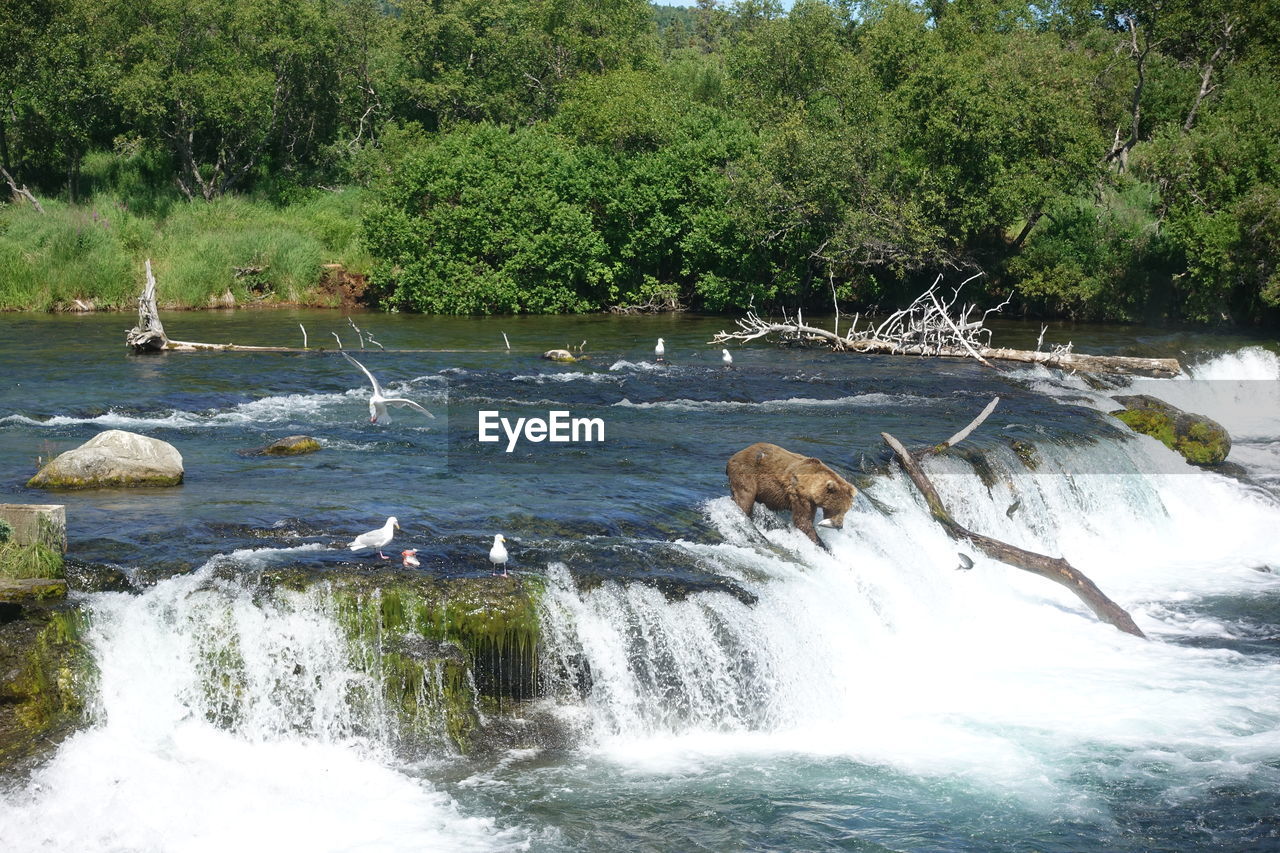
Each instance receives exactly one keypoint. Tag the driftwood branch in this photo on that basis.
(20, 192)
(940, 327)
(973, 424)
(1055, 569)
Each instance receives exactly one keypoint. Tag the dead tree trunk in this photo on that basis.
(20, 192)
(1054, 568)
(148, 335)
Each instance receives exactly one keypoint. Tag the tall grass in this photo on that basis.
(256, 250)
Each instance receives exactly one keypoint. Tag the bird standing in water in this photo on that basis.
(376, 539)
(498, 554)
(726, 358)
(659, 351)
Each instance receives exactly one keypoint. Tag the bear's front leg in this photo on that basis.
(802, 519)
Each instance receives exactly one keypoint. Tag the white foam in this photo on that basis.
(856, 401)
(544, 378)
(295, 409)
(228, 723)
(639, 366)
(883, 652)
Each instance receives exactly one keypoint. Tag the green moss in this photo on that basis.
(1199, 441)
(294, 445)
(48, 690)
(1204, 445)
(6, 530)
(55, 482)
(29, 561)
(445, 649)
(1150, 423)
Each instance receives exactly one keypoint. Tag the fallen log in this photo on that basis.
(1055, 569)
(927, 327)
(1162, 368)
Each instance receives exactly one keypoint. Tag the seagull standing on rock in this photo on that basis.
(498, 554)
(659, 350)
(378, 401)
(376, 539)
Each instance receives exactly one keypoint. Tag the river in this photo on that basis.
(870, 698)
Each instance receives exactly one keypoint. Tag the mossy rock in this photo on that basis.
(113, 459)
(1200, 440)
(293, 445)
(46, 672)
(27, 590)
(562, 355)
(1026, 452)
(452, 655)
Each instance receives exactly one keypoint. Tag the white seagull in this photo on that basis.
(659, 350)
(376, 539)
(378, 401)
(498, 554)
(726, 358)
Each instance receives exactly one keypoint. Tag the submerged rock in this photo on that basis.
(293, 445)
(111, 459)
(27, 590)
(45, 675)
(1200, 440)
(456, 658)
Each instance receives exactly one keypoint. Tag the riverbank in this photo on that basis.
(233, 252)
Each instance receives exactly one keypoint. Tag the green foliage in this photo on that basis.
(1220, 185)
(1095, 259)
(488, 220)
(1113, 160)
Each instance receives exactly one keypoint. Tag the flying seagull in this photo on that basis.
(378, 401)
(659, 350)
(376, 539)
(498, 554)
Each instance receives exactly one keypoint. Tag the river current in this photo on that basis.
(872, 697)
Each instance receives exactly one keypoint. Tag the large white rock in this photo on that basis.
(113, 458)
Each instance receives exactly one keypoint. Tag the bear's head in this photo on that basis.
(835, 499)
(825, 488)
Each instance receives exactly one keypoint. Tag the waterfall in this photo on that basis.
(884, 651)
(229, 717)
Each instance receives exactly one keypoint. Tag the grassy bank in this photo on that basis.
(233, 251)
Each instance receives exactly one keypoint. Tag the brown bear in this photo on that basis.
(780, 479)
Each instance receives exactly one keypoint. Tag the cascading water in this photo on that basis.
(720, 692)
(227, 719)
(883, 652)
